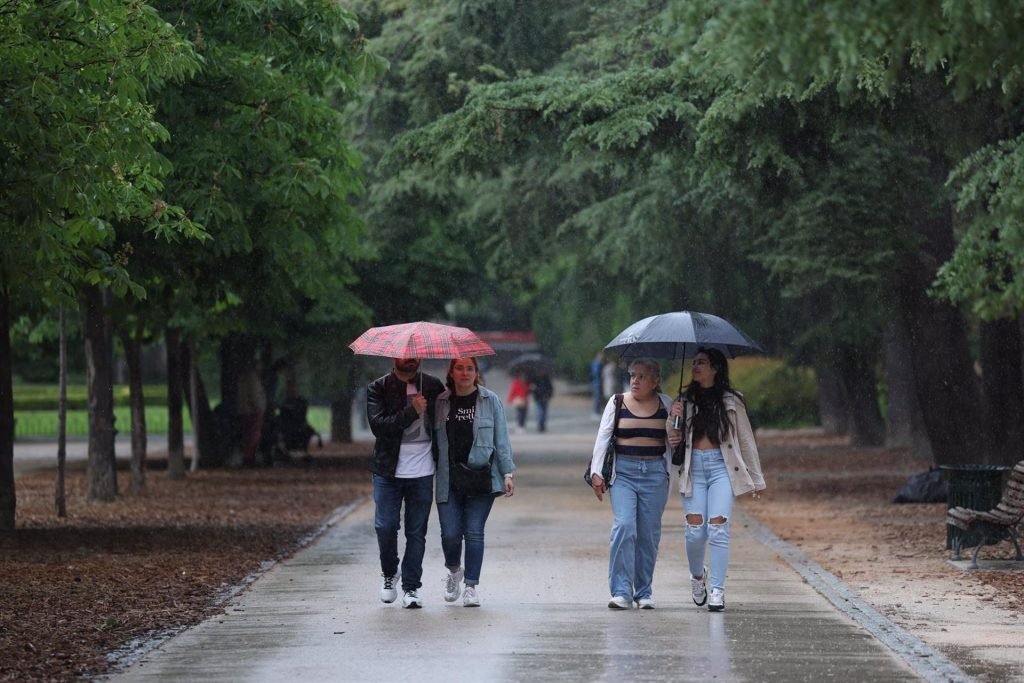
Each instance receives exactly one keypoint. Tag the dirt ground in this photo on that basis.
(74, 590)
(834, 502)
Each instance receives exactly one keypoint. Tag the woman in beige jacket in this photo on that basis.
(715, 445)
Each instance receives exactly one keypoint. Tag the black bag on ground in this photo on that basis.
(926, 487)
(609, 454)
(470, 481)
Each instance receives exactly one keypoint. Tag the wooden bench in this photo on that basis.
(998, 524)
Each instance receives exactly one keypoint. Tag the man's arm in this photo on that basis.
(381, 421)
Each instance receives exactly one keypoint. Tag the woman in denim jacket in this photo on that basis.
(470, 431)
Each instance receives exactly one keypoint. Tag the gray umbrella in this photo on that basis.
(678, 335)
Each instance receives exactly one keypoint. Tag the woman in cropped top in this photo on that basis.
(719, 459)
(639, 483)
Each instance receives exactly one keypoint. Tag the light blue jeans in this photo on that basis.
(711, 497)
(638, 501)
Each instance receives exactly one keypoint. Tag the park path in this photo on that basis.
(317, 617)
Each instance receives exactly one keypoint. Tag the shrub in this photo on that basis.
(777, 395)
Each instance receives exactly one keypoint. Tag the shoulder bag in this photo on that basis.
(609, 454)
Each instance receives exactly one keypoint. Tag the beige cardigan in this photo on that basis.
(739, 451)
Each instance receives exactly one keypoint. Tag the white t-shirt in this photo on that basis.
(415, 458)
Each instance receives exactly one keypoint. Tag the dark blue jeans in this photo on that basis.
(464, 517)
(388, 495)
(542, 416)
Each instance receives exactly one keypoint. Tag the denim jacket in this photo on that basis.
(490, 438)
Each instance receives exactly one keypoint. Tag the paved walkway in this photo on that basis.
(317, 617)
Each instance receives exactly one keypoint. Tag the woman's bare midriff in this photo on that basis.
(704, 443)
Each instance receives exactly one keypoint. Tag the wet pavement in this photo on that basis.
(317, 616)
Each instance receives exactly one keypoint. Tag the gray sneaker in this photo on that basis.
(388, 592)
(453, 585)
(699, 589)
(470, 598)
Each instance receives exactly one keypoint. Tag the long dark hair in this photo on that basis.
(713, 398)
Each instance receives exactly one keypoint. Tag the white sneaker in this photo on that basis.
(619, 602)
(717, 601)
(411, 599)
(470, 598)
(645, 603)
(699, 589)
(388, 592)
(453, 585)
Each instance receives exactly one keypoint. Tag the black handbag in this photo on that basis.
(470, 481)
(609, 455)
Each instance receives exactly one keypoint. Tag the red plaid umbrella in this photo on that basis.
(420, 340)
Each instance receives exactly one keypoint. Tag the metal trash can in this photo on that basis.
(978, 487)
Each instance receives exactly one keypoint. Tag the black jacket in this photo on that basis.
(389, 416)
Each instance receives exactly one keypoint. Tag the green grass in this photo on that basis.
(42, 424)
(45, 396)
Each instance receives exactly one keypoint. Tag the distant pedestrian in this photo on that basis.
(596, 383)
(719, 461)
(474, 465)
(519, 398)
(543, 390)
(400, 409)
(639, 483)
(611, 378)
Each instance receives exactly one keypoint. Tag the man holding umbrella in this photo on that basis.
(400, 409)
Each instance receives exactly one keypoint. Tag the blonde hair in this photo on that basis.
(651, 367)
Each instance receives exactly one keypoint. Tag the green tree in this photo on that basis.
(261, 157)
(78, 140)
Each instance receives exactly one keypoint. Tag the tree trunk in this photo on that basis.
(341, 409)
(831, 398)
(8, 499)
(60, 495)
(133, 355)
(856, 367)
(193, 402)
(905, 426)
(101, 474)
(944, 378)
(206, 427)
(233, 352)
(1002, 390)
(175, 426)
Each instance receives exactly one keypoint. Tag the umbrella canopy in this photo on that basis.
(420, 340)
(531, 364)
(679, 334)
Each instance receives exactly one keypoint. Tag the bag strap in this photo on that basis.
(618, 411)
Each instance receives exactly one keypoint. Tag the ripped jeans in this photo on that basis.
(711, 497)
